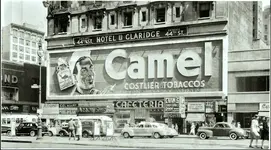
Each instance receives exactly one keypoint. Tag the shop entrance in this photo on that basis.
(179, 122)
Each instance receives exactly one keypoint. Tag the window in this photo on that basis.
(265, 37)
(4, 121)
(33, 58)
(98, 22)
(27, 43)
(178, 12)
(15, 47)
(248, 84)
(21, 41)
(128, 18)
(21, 34)
(27, 35)
(61, 25)
(83, 23)
(147, 125)
(27, 50)
(27, 57)
(14, 54)
(112, 17)
(33, 37)
(265, 27)
(8, 120)
(144, 17)
(21, 56)
(15, 40)
(204, 10)
(160, 14)
(219, 126)
(21, 49)
(17, 120)
(64, 4)
(15, 32)
(33, 44)
(34, 51)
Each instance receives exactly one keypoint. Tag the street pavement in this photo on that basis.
(182, 142)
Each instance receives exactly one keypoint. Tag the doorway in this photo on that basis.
(179, 122)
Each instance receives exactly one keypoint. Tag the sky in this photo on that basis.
(33, 12)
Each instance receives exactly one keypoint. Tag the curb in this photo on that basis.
(16, 141)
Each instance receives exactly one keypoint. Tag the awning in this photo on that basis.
(264, 113)
(195, 117)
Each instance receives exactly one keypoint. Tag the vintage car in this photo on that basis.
(30, 128)
(6, 130)
(148, 129)
(222, 129)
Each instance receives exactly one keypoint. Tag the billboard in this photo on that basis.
(188, 67)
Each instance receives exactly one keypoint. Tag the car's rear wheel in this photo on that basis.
(50, 133)
(61, 133)
(126, 135)
(233, 136)
(85, 135)
(203, 135)
(32, 133)
(156, 135)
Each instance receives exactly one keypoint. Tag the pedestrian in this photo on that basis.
(238, 125)
(264, 131)
(197, 127)
(233, 123)
(71, 127)
(177, 128)
(78, 129)
(254, 131)
(192, 129)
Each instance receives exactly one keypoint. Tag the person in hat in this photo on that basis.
(254, 131)
(71, 126)
(264, 131)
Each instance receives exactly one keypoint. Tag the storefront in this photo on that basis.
(264, 110)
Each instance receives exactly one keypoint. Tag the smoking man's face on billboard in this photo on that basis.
(86, 73)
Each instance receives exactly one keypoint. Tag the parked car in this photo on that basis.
(5, 129)
(148, 129)
(29, 128)
(222, 129)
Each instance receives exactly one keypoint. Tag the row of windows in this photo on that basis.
(24, 56)
(127, 17)
(18, 120)
(249, 84)
(26, 35)
(24, 42)
(22, 49)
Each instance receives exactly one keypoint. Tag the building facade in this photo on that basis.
(19, 100)
(20, 43)
(136, 60)
(266, 25)
(248, 85)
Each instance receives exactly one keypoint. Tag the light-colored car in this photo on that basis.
(148, 129)
(222, 129)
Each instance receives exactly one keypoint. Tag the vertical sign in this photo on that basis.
(182, 106)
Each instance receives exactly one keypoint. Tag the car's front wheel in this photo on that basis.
(32, 133)
(85, 134)
(233, 136)
(203, 135)
(171, 136)
(126, 135)
(61, 133)
(156, 135)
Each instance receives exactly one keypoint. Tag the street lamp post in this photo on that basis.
(40, 54)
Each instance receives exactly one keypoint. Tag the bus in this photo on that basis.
(18, 118)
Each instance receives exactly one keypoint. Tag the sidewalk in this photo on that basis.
(115, 142)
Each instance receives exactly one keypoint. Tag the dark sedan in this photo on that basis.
(30, 128)
(222, 129)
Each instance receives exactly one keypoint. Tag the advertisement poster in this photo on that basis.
(186, 67)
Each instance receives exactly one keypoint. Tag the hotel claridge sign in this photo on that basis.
(175, 62)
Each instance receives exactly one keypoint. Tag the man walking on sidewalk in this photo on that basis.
(71, 126)
(254, 131)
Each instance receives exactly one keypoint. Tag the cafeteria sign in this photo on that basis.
(131, 36)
